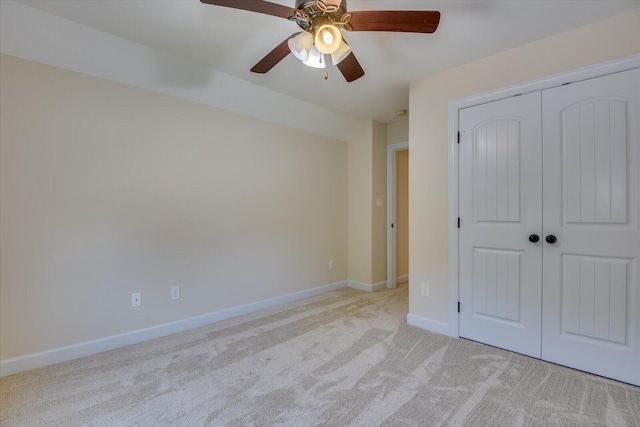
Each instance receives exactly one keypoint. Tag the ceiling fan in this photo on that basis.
(321, 22)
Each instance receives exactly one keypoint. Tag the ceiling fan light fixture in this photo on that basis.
(341, 53)
(301, 45)
(328, 38)
(316, 59)
(322, 21)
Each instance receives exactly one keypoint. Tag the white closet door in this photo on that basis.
(500, 207)
(591, 288)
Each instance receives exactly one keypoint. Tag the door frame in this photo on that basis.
(584, 73)
(392, 149)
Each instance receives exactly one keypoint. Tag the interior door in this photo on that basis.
(591, 293)
(500, 207)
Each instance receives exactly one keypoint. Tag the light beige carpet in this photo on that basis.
(346, 358)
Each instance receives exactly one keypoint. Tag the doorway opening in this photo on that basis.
(397, 214)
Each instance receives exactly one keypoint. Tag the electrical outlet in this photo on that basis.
(175, 292)
(425, 290)
(330, 264)
(136, 299)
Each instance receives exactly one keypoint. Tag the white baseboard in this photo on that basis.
(379, 286)
(367, 287)
(63, 354)
(402, 279)
(429, 325)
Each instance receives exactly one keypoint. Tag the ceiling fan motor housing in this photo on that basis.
(309, 13)
(301, 4)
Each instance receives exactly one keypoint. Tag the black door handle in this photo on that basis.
(551, 239)
(534, 238)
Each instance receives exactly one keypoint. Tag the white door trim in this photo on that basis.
(615, 66)
(391, 210)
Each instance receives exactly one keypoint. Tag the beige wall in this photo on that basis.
(108, 189)
(367, 171)
(398, 131)
(402, 213)
(605, 40)
(378, 226)
(360, 214)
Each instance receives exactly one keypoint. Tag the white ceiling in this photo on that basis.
(232, 41)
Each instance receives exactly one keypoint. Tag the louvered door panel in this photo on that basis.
(595, 162)
(497, 171)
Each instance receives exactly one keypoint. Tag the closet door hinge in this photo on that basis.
(458, 306)
(458, 222)
(458, 137)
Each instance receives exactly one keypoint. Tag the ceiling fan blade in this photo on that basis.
(405, 21)
(350, 68)
(273, 57)
(259, 6)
